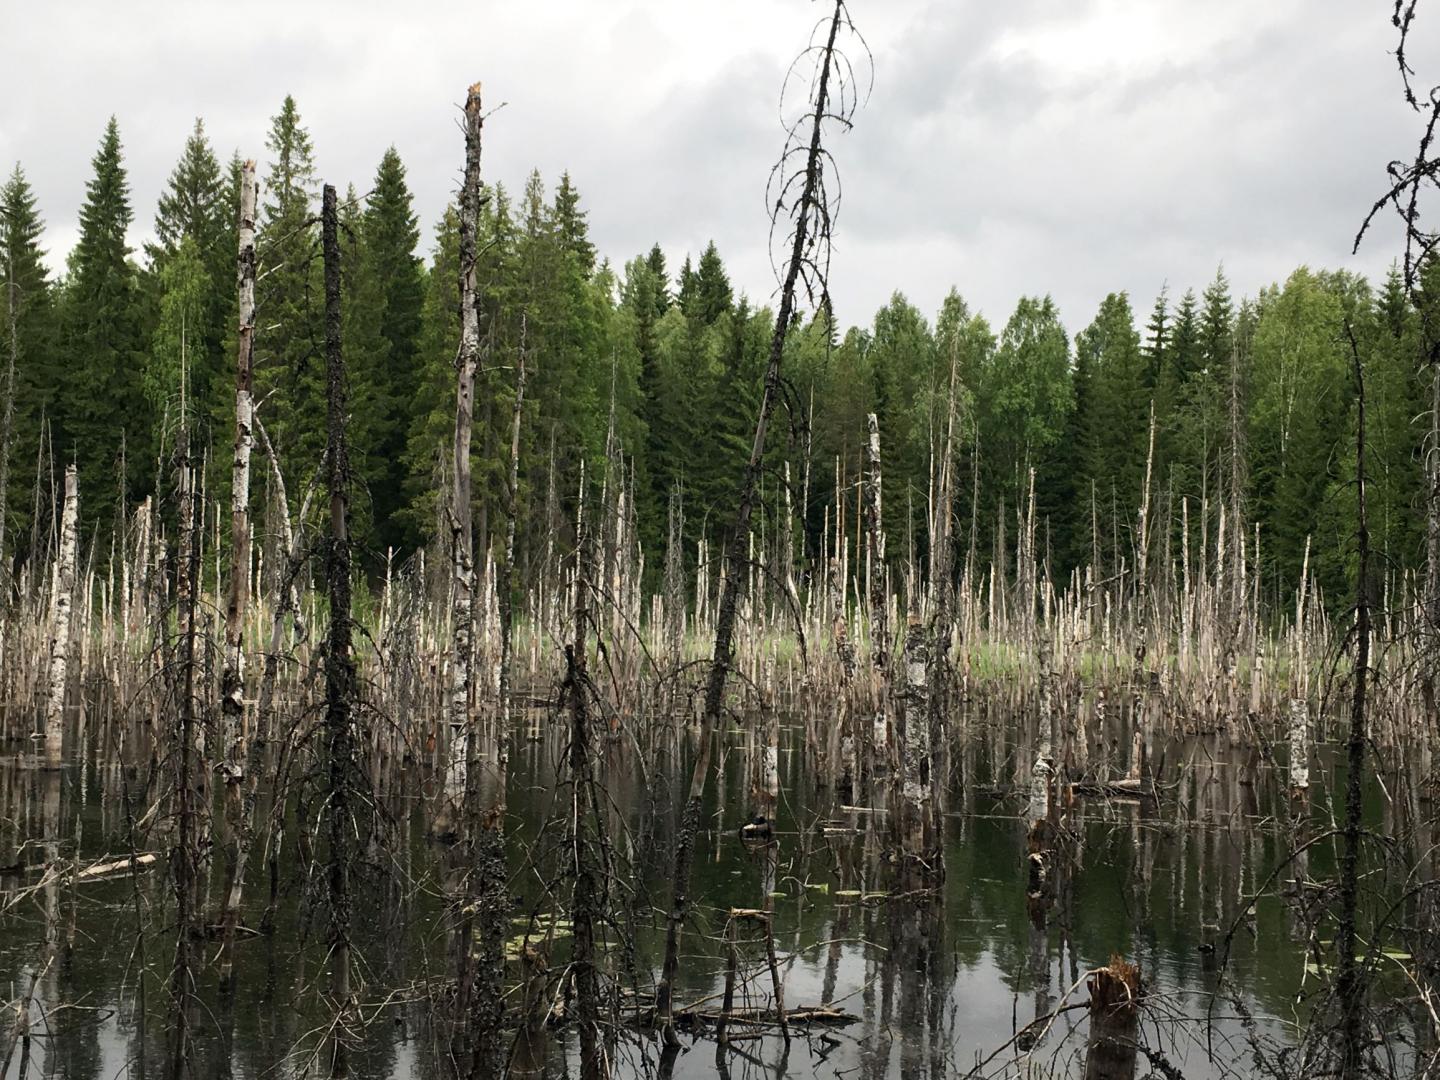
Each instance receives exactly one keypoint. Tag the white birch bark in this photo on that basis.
(60, 635)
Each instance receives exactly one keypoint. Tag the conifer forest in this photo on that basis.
(443, 649)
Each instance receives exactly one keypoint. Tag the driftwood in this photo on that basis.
(1128, 788)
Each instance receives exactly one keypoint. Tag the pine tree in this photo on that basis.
(101, 398)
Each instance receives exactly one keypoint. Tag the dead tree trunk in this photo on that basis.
(806, 209)
(462, 561)
(189, 766)
(585, 907)
(339, 664)
(1110, 1049)
(879, 598)
(1350, 981)
(916, 789)
(506, 575)
(60, 636)
(232, 678)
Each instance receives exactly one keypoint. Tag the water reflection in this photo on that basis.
(802, 920)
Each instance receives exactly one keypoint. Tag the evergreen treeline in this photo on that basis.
(1253, 400)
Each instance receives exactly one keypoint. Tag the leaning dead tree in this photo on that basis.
(811, 215)
(1411, 181)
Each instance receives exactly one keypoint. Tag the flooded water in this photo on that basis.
(936, 982)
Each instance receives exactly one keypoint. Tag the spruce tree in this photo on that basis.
(390, 279)
(711, 296)
(289, 368)
(25, 283)
(570, 227)
(433, 411)
(100, 397)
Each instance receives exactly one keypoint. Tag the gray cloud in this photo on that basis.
(1019, 148)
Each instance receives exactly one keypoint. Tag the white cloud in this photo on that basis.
(1072, 148)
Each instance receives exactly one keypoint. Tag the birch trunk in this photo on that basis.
(877, 594)
(60, 638)
(461, 535)
(232, 678)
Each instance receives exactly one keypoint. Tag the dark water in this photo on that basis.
(937, 981)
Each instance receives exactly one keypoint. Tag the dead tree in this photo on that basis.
(878, 596)
(64, 586)
(462, 563)
(1350, 980)
(506, 583)
(339, 663)
(1411, 180)
(586, 907)
(188, 756)
(232, 678)
(811, 230)
(1111, 1047)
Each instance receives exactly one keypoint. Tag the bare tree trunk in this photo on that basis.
(60, 636)
(879, 598)
(461, 527)
(232, 678)
(1110, 1049)
(916, 790)
(189, 785)
(506, 572)
(1432, 549)
(1350, 981)
(811, 198)
(586, 903)
(339, 664)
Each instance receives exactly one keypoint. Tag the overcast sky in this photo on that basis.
(1074, 147)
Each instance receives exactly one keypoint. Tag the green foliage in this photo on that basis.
(25, 283)
(289, 365)
(169, 382)
(627, 377)
(100, 396)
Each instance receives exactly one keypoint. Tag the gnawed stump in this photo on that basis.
(1110, 1050)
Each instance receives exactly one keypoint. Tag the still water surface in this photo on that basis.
(937, 982)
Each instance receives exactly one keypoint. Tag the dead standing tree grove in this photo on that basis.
(811, 215)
